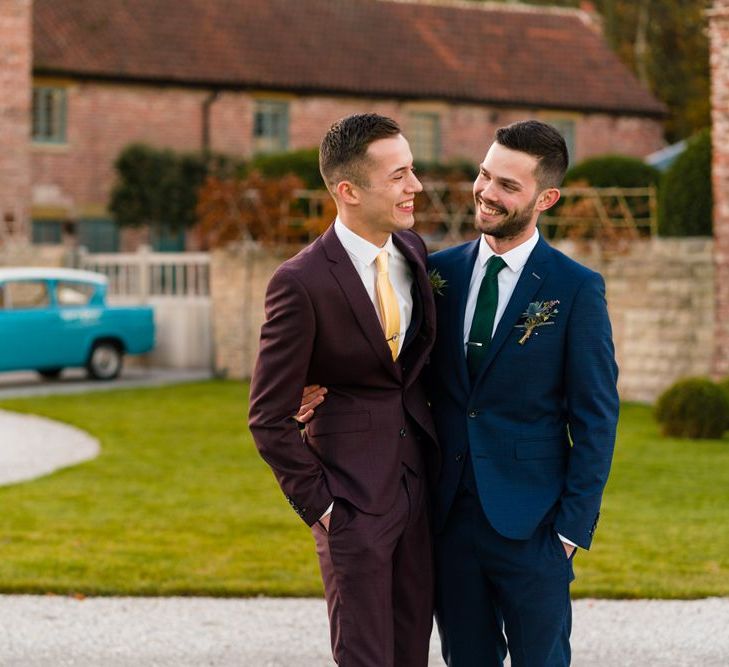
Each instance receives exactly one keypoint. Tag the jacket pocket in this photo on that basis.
(340, 422)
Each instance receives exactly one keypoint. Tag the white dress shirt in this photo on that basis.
(363, 254)
(515, 260)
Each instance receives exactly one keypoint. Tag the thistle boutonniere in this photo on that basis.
(537, 314)
(437, 282)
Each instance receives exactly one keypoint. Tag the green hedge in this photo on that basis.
(685, 199)
(607, 171)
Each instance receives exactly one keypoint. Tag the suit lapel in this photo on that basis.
(423, 313)
(359, 301)
(531, 279)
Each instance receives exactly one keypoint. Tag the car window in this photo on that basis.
(74, 294)
(23, 294)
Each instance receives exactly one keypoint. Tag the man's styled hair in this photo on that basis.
(541, 141)
(342, 153)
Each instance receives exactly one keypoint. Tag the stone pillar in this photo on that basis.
(15, 118)
(719, 58)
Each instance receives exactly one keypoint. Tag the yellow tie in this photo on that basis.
(387, 301)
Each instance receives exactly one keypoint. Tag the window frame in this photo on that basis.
(49, 120)
(415, 136)
(270, 126)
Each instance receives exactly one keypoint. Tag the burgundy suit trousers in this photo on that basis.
(378, 580)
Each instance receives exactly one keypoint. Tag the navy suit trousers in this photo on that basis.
(493, 592)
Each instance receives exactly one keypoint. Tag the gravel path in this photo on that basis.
(33, 446)
(194, 632)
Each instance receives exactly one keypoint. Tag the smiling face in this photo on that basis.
(385, 201)
(506, 195)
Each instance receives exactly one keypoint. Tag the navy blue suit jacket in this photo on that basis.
(540, 418)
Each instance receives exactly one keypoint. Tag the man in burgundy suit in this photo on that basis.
(354, 312)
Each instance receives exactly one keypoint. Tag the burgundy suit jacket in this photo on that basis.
(322, 328)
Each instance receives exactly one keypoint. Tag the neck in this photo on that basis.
(377, 238)
(502, 245)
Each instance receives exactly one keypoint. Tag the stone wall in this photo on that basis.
(660, 297)
(239, 275)
(661, 301)
(18, 252)
(15, 67)
(719, 45)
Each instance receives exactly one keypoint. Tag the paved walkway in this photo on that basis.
(56, 631)
(75, 381)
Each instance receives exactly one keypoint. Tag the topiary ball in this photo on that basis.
(693, 408)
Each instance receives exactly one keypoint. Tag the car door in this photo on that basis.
(27, 321)
(79, 316)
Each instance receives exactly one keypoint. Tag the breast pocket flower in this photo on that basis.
(537, 314)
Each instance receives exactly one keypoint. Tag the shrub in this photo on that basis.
(302, 163)
(608, 171)
(685, 199)
(693, 408)
(724, 384)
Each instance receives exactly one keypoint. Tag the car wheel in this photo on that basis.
(50, 373)
(105, 362)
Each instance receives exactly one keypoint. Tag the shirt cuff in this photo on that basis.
(328, 511)
(561, 537)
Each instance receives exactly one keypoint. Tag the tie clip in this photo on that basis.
(471, 342)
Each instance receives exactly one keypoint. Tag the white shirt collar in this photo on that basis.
(360, 248)
(515, 258)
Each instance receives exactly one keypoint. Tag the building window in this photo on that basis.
(49, 232)
(49, 115)
(424, 136)
(271, 127)
(566, 127)
(98, 234)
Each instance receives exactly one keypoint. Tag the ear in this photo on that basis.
(547, 199)
(348, 193)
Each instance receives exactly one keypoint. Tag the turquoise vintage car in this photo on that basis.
(51, 319)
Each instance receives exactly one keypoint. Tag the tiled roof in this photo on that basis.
(508, 55)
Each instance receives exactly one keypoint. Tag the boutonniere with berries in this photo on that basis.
(437, 282)
(537, 314)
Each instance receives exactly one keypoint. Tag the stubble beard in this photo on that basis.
(509, 227)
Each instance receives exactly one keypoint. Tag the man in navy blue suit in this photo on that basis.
(523, 392)
(522, 384)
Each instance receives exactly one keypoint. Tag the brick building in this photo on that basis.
(251, 76)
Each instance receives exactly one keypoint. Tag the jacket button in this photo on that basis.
(459, 457)
(403, 432)
(473, 414)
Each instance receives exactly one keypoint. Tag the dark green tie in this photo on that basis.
(483, 318)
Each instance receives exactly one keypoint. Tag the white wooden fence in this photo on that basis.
(177, 286)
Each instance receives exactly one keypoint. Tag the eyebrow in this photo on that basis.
(501, 179)
(403, 168)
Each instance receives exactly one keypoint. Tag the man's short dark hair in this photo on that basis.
(541, 141)
(342, 153)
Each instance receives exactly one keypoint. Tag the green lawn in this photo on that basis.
(180, 503)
